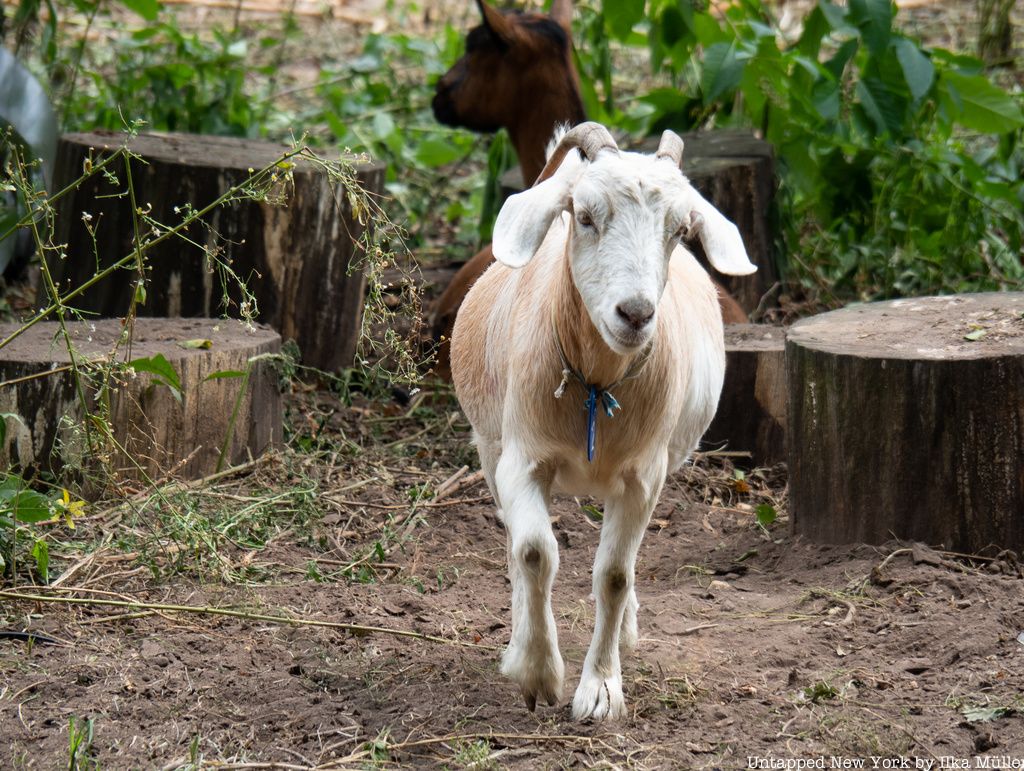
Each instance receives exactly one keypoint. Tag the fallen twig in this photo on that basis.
(693, 629)
(357, 629)
(447, 485)
(503, 737)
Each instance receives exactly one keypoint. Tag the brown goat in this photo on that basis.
(518, 74)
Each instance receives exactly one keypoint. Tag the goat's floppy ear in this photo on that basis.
(525, 218)
(720, 238)
(497, 23)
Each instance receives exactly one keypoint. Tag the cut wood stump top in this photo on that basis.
(213, 152)
(966, 326)
(44, 344)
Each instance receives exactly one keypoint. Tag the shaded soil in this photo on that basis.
(752, 644)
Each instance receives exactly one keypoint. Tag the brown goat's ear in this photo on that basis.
(561, 12)
(497, 23)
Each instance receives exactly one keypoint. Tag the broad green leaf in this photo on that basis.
(29, 506)
(975, 334)
(825, 96)
(918, 69)
(723, 71)
(981, 105)
(162, 369)
(621, 15)
(147, 9)
(816, 26)
(882, 106)
(674, 25)
(874, 20)
(436, 152)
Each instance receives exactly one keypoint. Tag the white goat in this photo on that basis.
(605, 299)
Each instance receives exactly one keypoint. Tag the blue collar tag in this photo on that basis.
(608, 403)
(591, 422)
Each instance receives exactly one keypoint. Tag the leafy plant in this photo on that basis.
(900, 164)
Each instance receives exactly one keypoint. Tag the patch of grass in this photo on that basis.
(476, 754)
(81, 755)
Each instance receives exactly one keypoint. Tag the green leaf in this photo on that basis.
(980, 105)
(722, 73)
(816, 26)
(163, 370)
(837, 64)
(224, 373)
(592, 512)
(147, 9)
(976, 334)
(621, 15)
(985, 714)
(436, 152)
(874, 20)
(29, 506)
(197, 344)
(766, 514)
(884, 107)
(41, 553)
(918, 69)
(837, 17)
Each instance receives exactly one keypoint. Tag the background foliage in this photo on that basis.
(899, 163)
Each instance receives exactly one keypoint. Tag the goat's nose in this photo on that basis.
(636, 312)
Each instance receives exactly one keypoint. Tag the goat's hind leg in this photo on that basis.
(532, 658)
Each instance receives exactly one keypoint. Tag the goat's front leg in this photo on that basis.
(599, 695)
(532, 658)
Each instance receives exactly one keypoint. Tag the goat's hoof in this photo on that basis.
(531, 700)
(599, 699)
(539, 678)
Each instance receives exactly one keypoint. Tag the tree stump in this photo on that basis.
(906, 420)
(163, 435)
(736, 172)
(296, 259)
(751, 414)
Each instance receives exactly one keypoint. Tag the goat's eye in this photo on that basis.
(585, 220)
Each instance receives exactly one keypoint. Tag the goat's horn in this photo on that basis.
(671, 148)
(591, 138)
(561, 12)
(497, 22)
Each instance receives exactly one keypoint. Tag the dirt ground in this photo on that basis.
(754, 645)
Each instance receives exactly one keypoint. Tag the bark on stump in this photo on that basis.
(751, 414)
(162, 435)
(736, 172)
(902, 426)
(295, 258)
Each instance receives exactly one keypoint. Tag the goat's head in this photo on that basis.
(507, 60)
(627, 214)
